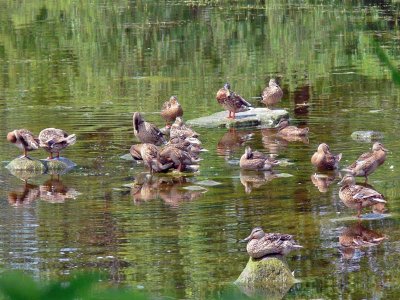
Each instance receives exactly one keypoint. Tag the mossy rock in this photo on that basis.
(269, 277)
(26, 164)
(367, 136)
(58, 165)
(263, 117)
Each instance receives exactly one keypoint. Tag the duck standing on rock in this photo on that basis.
(54, 140)
(147, 132)
(323, 159)
(170, 110)
(24, 140)
(260, 244)
(284, 129)
(151, 158)
(272, 94)
(358, 196)
(231, 101)
(368, 162)
(256, 161)
(181, 130)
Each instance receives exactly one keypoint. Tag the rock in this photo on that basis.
(26, 164)
(367, 136)
(59, 165)
(256, 117)
(269, 277)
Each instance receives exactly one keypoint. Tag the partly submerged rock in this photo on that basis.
(367, 136)
(269, 277)
(59, 165)
(256, 117)
(26, 164)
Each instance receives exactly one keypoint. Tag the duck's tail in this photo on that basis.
(71, 139)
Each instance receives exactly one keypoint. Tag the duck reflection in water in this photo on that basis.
(170, 189)
(323, 180)
(55, 191)
(255, 179)
(357, 236)
(231, 141)
(24, 194)
(301, 97)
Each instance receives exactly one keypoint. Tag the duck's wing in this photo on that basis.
(239, 101)
(361, 193)
(27, 138)
(361, 160)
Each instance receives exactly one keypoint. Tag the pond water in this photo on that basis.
(87, 66)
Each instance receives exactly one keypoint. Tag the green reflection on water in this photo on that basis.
(85, 67)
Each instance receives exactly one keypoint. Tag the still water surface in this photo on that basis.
(85, 67)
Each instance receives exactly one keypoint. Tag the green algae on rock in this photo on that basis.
(58, 165)
(269, 276)
(26, 164)
(367, 136)
(263, 117)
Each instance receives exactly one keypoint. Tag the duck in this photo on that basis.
(53, 140)
(358, 196)
(272, 94)
(147, 132)
(170, 110)
(255, 160)
(231, 101)
(135, 151)
(368, 162)
(178, 157)
(323, 159)
(151, 158)
(284, 129)
(24, 140)
(180, 130)
(260, 244)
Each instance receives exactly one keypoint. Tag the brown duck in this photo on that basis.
(323, 159)
(368, 162)
(358, 196)
(284, 129)
(180, 158)
(147, 132)
(261, 244)
(54, 140)
(272, 94)
(181, 130)
(24, 140)
(171, 109)
(255, 160)
(151, 158)
(231, 101)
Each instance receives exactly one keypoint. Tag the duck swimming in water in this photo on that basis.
(272, 94)
(324, 159)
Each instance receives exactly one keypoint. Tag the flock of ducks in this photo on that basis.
(181, 152)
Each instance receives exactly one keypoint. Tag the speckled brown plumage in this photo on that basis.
(151, 158)
(24, 140)
(357, 196)
(54, 140)
(178, 157)
(284, 129)
(147, 132)
(181, 130)
(323, 159)
(254, 160)
(261, 244)
(231, 101)
(171, 109)
(272, 94)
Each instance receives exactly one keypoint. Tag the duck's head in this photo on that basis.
(173, 100)
(256, 234)
(348, 179)
(178, 121)
(272, 82)
(378, 146)
(137, 119)
(323, 148)
(283, 123)
(248, 152)
(11, 137)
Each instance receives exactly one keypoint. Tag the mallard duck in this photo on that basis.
(24, 140)
(368, 162)
(231, 101)
(284, 129)
(272, 94)
(261, 244)
(255, 160)
(180, 130)
(323, 159)
(189, 145)
(54, 140)
(171, 109)
(178, 157)
(358, 196)
(135, 151)
(147, 132)
(151, 158)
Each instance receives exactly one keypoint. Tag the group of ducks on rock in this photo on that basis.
(52, 140)
(180, 152)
